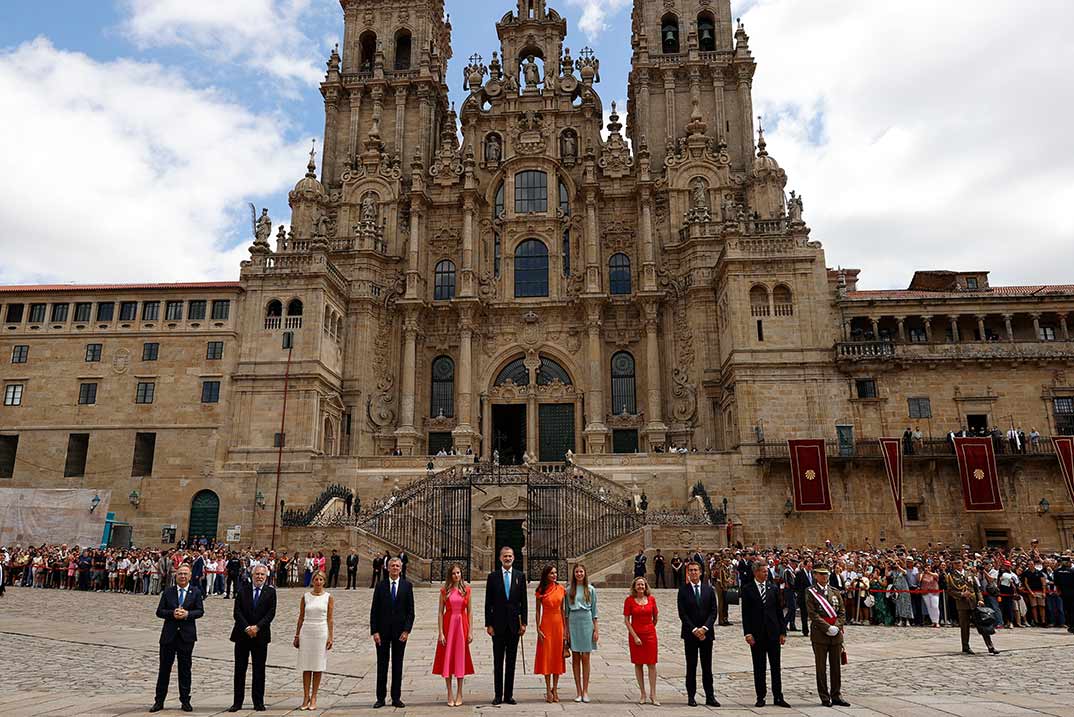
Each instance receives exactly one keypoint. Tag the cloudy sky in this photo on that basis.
(921, 134)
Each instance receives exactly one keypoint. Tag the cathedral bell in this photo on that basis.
(706, 35)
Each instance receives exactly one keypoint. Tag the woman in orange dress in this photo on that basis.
(453, 646)
(551, 632)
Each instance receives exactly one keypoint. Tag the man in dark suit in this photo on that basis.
(765, 631)
(505, 622)
(697, 613)
(803, 580)
(255, 608)
(333, 570)
(233, 569)
(391, 618)
(180, 606)
(352, 570)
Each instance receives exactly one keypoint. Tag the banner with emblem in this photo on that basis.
(980, 478)
(809, 474)
(891, 449)
(1064, 450)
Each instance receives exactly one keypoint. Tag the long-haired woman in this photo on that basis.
(582, 624)
(640, 615)
(453, 646)
(551, 629)
(313, 637)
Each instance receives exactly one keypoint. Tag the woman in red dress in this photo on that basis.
(551, 632)
(640, 614)
(453, 646)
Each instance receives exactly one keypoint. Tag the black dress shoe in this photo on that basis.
(840, 702)
(510, 701)
(711, 702)
(759, 703)
(157, 707)
(497, 702)
(826, 703)
(692, 702)
(398, 704)
(186, 707)
(234, 708)
(968, 651)
(259, 708)
(378, 704)
(781, 703)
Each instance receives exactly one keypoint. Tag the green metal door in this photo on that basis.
(204, 515)
(556, 428)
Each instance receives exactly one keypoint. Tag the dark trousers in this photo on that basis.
(916, 604)
(1068, 610)
(232, 582)
(333, 577)
(169, 651)
(352, 578)
(791, 610)
(660, 581)
(827, 658)
(390, 651)
(721, 609)
(964, 621)
(799, 597)
(696, 649)
(243, 650)
(766, 650)
(504, 654)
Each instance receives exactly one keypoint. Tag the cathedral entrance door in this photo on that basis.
(509, 532)
(509, 432)
(556, 431)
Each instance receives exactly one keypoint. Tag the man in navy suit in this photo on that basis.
(391, 618)
(697, 613)
(505, 622)
(255, 609)
(765, 630)
(180, 606)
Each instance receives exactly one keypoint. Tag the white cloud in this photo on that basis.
(923, 134)
(595, 13)
(264, 34)
(122, 171)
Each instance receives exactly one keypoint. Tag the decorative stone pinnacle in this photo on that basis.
(311, 168)
(762, 150)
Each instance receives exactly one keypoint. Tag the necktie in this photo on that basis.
(393, 591)
(257, 595)
(507, 584)
(697, 593)
(762, 587)
(182, 596)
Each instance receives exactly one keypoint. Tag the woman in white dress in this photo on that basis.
(313, 638)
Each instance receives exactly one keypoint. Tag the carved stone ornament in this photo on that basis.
(684, 397)
(530, 135)
(615, 158)
(445, 241)
(556, 389)
(441, 423)
(625, 420)
(531, 331)
(121, 361)
(508, 390)
(447, 163)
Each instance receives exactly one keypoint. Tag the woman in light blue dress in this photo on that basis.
(582, 626)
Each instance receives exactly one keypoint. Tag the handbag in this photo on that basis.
(566, 649)
(870, 600)
(843, 659)
(732, 596)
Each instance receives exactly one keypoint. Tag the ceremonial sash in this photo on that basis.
(830, 615)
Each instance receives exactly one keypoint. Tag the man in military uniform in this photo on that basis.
(963, 589)
(723, 579)
(826, 616)
(1064, 583)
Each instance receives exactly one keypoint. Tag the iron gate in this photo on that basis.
(452, 503)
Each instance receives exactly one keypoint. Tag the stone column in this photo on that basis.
(595, 430)
(413, 273)
(648, 265)
(745, 103)
(356, 116)
(486, 428)
(981, 327)
(656, 430)
(669, 102)
(927, 320)
(721, 110)
(400, 119)
(902, 329)
(592, 256)
(954, 328)
(328, 151)
(1007, 324)
(406, 435)
(467, 287)
(1036, 326)
(532, 362)
(463, 435)
(1063, 327)
(876, 327)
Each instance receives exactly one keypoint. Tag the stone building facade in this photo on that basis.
(515, 279)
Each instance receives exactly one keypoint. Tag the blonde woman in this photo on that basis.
(582, 627)
(313, 638)
(640, 615)
(453, 644)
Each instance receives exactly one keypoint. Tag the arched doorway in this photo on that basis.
(532, 408)
(204, 515)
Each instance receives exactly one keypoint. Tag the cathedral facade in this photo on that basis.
(521, 281)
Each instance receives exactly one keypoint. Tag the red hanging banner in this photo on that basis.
(977, 469)
(1064, 450)
(809, 475)
(891, 448)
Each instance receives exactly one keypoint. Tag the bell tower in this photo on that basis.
(686, 58)
(388, 86)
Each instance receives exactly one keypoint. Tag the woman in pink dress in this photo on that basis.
(453, 646)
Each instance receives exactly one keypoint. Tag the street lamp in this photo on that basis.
(1044, 506)
(788, 508)
(135, 497)
(259, 499)
(96, 501)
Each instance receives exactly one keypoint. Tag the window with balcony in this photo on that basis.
(402, 50)
(918, 335)
(1064, 416)
(865, 388)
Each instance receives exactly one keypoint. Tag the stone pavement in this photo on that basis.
(96, 654)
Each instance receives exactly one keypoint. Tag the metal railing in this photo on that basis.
(867, 448)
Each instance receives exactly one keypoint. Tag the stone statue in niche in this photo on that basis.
(493, 150)
(569, 145)
(532, 73)
(700, 194)
(369, 208)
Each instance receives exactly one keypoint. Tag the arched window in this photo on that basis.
(531, 191)
(619, 274)
(564, 199)
(367, 44)
(566, 252)
(274, 309)
(781, 298)
(624, 394)
(515, 372)
(550, 370)
(669, 34)
(759, 301)
(442, 395)
(294, 308)
(531, 269)
(402, 50)
(706, 32)
(444, 286)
